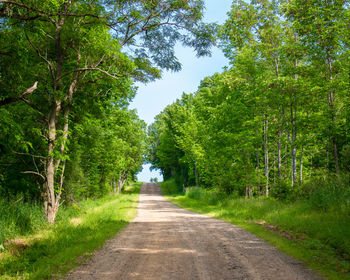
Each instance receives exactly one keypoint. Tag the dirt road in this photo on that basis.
(167, 242)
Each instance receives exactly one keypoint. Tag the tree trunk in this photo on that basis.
(266, 156)
(49, 185)
(301, 166)
(332, 108)
(121, 181)
(279, 131)
(257, 160)
(196, 173)
(114, 186)
(185, 179)
(279, 156)
(293, 116)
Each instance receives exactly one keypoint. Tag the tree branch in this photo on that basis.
(24, 94)
(34, 107)
(33, 172)
(92, 69)
(39, 54)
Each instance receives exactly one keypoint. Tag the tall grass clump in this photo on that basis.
(211, 197)
(19, 218)
(170, 187)
(329, 193)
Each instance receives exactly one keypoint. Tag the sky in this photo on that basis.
(153, 97)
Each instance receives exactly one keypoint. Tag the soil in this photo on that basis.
(168, 242)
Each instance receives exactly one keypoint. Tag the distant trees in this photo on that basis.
(82, 54)
(279, 116)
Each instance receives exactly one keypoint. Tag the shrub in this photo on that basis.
(329, 193)
(194, 193)
(170, 187)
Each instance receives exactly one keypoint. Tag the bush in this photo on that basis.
(282, 190)
(329, 193)
(210, 197)
(170, 187)
(194, 193)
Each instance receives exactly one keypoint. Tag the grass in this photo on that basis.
(53, 250)
(321, 239)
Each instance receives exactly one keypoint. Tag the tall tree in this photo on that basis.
(71, 44)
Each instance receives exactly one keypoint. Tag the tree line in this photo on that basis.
(67, 74)
(278, 117)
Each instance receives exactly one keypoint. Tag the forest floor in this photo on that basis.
(168, 242)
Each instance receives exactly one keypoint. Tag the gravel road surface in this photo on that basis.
(167, 242)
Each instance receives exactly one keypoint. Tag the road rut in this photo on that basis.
(168, 242)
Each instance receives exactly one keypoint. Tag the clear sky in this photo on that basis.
(152, 98)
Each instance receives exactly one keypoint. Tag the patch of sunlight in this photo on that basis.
(76, 221)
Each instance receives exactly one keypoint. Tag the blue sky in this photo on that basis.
(152, 98)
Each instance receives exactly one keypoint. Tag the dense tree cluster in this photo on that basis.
(279, 116)
(67, 69)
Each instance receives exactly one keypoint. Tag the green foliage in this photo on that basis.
(284, 191)
(329, 193)
(19, 218)
(211, 197)
(78, 232)
(277, 120)
(83, 58)
(170, 187)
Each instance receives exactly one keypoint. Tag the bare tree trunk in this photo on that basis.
(266, 156)
(286, 160)
(301, 166)
(279, 156)
(121, 181)
(120, 186)
(293, 116)
(294, 168)
(53, 117)
(49, 185)
(196, 173)
(279, 131)
(114, 186)
(327, 154)
(257, 159)
(332, 108)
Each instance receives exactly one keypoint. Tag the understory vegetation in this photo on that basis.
(43, 251)
(319, 236)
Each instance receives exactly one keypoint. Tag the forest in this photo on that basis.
(266, 141)
(274, 123)
(67, 76)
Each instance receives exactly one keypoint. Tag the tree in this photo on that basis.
(70, 45)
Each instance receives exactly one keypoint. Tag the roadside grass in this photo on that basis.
(321, 239)
(53, 250)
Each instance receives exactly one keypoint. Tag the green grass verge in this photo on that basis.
(52, 251)
(318, 238)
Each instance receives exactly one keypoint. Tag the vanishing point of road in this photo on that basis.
(168, 242)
